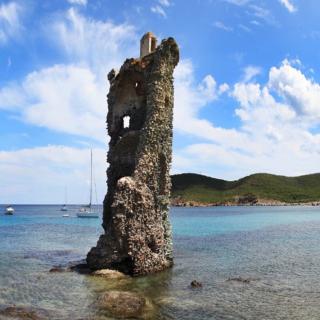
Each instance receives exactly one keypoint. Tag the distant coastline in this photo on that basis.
(194, 190)
(176, 202)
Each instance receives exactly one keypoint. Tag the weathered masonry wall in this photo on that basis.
(137, 237)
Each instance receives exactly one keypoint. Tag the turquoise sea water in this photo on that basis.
(278, 248)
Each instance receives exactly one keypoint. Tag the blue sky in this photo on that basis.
(247, 92)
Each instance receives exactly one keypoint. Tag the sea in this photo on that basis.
(253, 262)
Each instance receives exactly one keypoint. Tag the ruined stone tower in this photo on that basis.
(137, 238)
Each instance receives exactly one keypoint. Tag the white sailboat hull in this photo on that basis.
(9, 211)
(88, 215)
(87, 211)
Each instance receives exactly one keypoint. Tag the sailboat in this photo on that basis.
(64, 207)
(88, 211)
(9, 211)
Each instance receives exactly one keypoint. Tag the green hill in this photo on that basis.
(203, 189)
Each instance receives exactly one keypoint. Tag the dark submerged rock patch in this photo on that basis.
(195, 284)
(23, 313)
(123, 304)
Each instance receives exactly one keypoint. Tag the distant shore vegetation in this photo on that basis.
(189, 189)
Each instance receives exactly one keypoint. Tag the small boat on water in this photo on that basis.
(9, 211)
(64, 207)
(88, 211)
(66, 215)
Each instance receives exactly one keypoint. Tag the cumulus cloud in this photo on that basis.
(301, 93)
(46, 171)
(62, 98)
(9, 21)
(275, 135)
(276, 119)
(288, 5)
(70, 98)
(250, 72)
(191, 98)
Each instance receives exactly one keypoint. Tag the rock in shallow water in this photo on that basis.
(123, 304)
(23, 313)
(57, 269)
(109, 274)
(243, 280)
(195, 284)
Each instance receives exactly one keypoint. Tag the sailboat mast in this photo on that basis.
(91, 179)
(65, 195)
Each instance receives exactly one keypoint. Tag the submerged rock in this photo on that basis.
(240, 279)
(109, 274)
(57, 269)
(195, 284)
(23, 313)
(81, 268)
(123, 304)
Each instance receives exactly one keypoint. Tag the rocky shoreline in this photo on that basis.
(178, 202)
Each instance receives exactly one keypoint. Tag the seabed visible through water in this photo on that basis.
(276, 249)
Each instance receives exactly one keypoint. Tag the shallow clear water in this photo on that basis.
(278, 248)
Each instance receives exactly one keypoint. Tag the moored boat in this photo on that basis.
(64, 207)
(9, 210)
(88, 211)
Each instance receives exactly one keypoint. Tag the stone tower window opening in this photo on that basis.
(126, 122)
(153, 44)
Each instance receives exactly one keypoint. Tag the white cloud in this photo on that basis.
(223, 88)
(222, 26)
(62, 98)
(289, 6)
(78, 2)
(190, 98)
(165, 3)
(99, 45)
(257, 10)
(71, 98)
(159, 10)
(299, 92)
(41, 174)
(161, 7)
(250, 72)
(276, 133)
(262, 13)
(9, 21)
